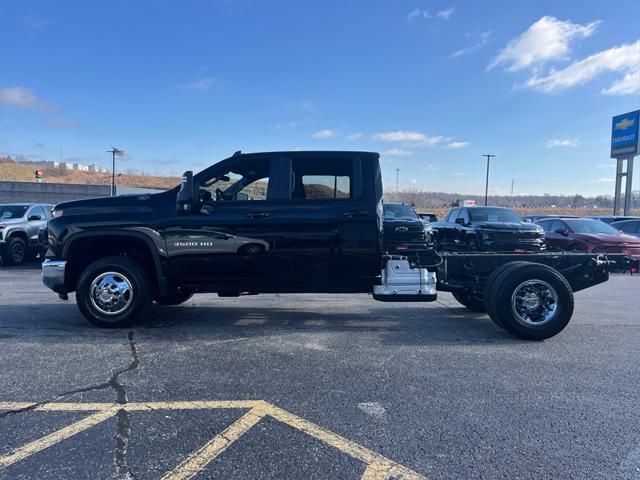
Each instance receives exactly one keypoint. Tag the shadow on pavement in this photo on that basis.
(436, 323)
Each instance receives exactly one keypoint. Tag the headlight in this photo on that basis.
(57, 213)
(2, 225)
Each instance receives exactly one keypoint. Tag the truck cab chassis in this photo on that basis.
(288, 222)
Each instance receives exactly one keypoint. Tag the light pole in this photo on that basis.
(513, 180)
(114, 151)
(397, 179)
(486, 187)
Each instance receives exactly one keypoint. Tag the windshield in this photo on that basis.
(591, 226)
(12, 211)
(396, 210)
(493, 215)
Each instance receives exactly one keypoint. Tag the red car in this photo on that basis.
(587, 235)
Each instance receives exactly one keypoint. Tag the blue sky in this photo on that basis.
(433, 84)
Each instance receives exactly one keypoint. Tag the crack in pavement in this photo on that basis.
(122, 416)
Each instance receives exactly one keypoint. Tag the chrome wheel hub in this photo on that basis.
(111, 293)
(534, 302)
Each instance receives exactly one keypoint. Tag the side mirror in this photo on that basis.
(33, 218)
(460, 221)
(185, 198)
(562, 232)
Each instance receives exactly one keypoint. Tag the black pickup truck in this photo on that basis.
(287, 222)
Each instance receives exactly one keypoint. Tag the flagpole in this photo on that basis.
(113, 172)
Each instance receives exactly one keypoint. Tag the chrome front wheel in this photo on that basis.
(111, 293)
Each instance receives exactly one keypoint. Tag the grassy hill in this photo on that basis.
(18, 172)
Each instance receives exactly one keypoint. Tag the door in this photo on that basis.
(460, 228)
(327, 233)
(446, 232)
(36, 218)
(228, 241)
(554, 240)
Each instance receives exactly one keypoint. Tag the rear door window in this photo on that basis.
(328, 178)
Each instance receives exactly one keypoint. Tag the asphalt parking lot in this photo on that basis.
(316, 386)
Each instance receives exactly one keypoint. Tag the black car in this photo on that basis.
(630, 227)
(612, 218)
(540, 216)
(404, 230)
(487, 229)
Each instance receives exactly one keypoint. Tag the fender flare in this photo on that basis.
(153, 248)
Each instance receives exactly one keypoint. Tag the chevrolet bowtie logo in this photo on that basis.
(624, 124)
(401, 229)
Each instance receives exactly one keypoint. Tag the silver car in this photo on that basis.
(20, 224)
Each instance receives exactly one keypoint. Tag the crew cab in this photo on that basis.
(20, 226)
(487, 229)
(286, 222)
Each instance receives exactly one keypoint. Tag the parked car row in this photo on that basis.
(500, 229)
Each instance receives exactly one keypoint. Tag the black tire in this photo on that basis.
(575, 247)
(124, 270)
(174, 298)
(472, 244)
(32, 255)
(251, 249)
(15, 252)
(554, 298)
(489, 292)
(469, 301)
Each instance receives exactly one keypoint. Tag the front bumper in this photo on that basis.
(53, 275)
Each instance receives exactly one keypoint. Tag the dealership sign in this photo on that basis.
(624, 135)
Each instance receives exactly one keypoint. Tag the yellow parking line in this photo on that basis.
(376, 471)
(378, 467)
(55, 437)
(350, 448)
(200, 458)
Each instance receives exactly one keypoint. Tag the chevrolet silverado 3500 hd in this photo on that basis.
(289, 222)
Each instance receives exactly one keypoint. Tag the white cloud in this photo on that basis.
(546, 40)
(445, 14)
(412, 181)
(292, 124)
(199, 84)
(563, 142)
(416, 138)
(22, 97)
(62, 122)
(396, 152)
(458, 174)
(35, 22)
(322, 134)
(629, 84)
(352, 137)
(430, 168)
(456, 145)
(606, 180)
(623, 59)
(418, 13)
(484, 38)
